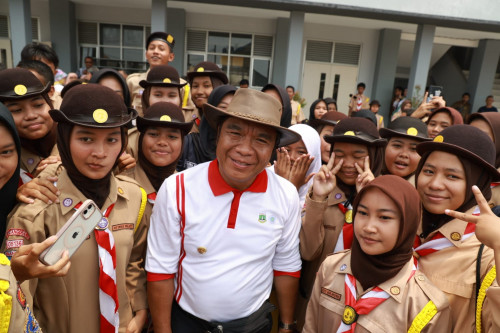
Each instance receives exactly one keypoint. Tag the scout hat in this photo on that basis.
(93, 105)
(20, 83)
(163, 114)
(407, 127)
(367, 114)
(467, 142)
(330, 118)
(356, 130)
(162, 76)
(256, 107)
(161, 36)
(207, 68)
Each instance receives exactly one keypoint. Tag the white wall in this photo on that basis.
(230, 23)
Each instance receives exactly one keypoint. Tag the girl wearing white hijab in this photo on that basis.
(299, 161)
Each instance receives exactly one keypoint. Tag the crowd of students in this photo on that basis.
(391, 229)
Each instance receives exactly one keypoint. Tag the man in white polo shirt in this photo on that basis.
(221, 232)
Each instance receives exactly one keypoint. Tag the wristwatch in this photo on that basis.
(291, 327)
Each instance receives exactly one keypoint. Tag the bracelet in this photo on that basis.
(287, 326)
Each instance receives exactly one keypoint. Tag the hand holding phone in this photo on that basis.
(73, 233)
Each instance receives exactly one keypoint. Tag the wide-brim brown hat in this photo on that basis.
(467, 142)
(356, 130)
(162, 76)
(406, 127)
(164, 114)
(207, 68)
(331, 118)
(20, 83)
(93, 105)
(256, 107)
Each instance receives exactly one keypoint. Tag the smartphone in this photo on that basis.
(73, 233)
(434, 91)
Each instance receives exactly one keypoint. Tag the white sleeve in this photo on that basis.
(164, 238)
(287, 255)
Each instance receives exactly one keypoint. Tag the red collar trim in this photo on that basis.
(219, 185)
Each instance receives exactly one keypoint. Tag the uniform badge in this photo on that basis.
(21, 298)
(412, 131)
(343, 267)
(103, 224)
(67, 202)
(350, 315)
(202, 250)
(348, 216)
(395, 290)
(456, 236)
(338, 196)
(165, 118)
(30, 161)
(20, 89)
(262, 218)
(31, 325)
(100, 116)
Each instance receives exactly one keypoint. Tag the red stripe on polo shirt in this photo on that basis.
(153, 277)
(294, 274)
(180, 181)
(220, 187)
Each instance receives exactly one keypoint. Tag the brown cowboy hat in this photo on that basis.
(256, 107)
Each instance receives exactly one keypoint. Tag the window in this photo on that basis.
(337, 53)
(117, 46)
(240, 56)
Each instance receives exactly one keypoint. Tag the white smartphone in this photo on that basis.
(73, 233)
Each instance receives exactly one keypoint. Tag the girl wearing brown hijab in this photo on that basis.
(376, 286)
(442, 118)
(447, 249)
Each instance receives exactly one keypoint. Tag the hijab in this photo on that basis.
(456, 117)
(313, 106)
(9, 190)
(493, 120)
(372, 270)
(312, 142)
(109, 72)
(286, 115)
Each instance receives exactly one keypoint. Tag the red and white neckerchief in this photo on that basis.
(25, 176)
(440, 242)
(359, 103)
(494, 184)
(152, 198)
(366, 303)
(344, 241)
(108, 293)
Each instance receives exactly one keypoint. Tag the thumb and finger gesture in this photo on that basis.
(365, 174)
(324, 181)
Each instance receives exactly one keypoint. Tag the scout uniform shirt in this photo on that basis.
(354, 101)
(71, 303)
(297, 114)
(453, 270)
(409, 293)
(15, 313)
(188, 107)
(29, 162)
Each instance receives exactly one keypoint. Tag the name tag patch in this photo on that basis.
(18, 232)
(12, 244)
(123, 226)
(330, 293)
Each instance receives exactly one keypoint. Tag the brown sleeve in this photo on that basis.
(312, 312)
(441, 322)
(136, 274)
(312, 233)
(490, 316)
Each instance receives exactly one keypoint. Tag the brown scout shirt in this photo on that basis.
(297, 114)
(453, 270)
(353, 104)
(71, 303)
(396, 314)
(29, 160)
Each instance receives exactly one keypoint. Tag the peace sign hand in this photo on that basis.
(365, 174)
(487, 224)
(324, 181)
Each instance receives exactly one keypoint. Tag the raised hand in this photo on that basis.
(325, 181)
(126, 162)
(299, 171)
(365, 174)
(282, 164)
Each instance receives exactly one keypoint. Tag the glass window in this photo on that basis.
(261, 72)
(87, 52)
(110, 34)
(221, 61)
(240, 69)
(193, 60)
(133, 36)
(241, 44)
(218, 42)
(133, 54)
(110, 53)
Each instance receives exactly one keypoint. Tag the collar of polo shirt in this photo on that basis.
(219, 185)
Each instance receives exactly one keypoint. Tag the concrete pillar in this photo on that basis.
(159, 16)
(421, 60)
(385, 69)
(280, 52)
(63, 33)
(293, 74)
(482, 71)
(20, 26)
(176, 25)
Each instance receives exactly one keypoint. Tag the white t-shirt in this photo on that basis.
(223, 253)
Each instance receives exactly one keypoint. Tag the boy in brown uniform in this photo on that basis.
(91, 136)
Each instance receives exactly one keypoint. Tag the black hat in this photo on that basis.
(162, 76)
(70, 85)
(467, 142)
(330, 118)
(407, 127)
(207, 68)
(161, 36)
(163, 114)
(93, 105)
(20, 83)
(367, 114)
(356, 130)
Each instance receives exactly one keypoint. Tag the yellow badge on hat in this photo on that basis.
(351, 133)
(20, 89)
(438, 138)
(412, 131)
(167, 80)
(100, 116)
(201, 69)
(165, 118)
(170, 38)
